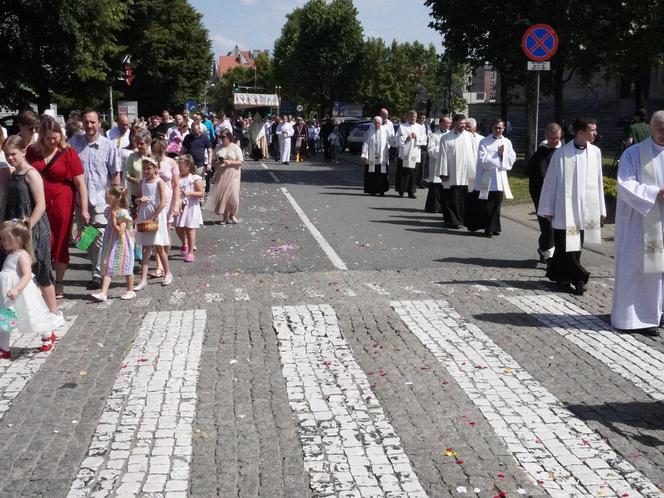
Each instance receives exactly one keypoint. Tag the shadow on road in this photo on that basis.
(622, 417)
(491, 263)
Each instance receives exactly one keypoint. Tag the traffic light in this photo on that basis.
(236, 88)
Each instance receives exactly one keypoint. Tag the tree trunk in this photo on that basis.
(558, 84)
(503, 100)
(531, 113)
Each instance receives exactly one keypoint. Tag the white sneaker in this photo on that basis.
(168, 279)
(140, 286)
(58, 319)
(128, 295)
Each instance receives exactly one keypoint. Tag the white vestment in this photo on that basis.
(409, 148)
(637, 296)
(552, 199)
(455, 158)
(285, 131)
(477, 138)
(491, 171)
(391, 137)
(120, 139)
(376, 149)
(433, 149)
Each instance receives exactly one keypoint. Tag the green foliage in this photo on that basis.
(171, 54)
(610, 187)
(317, 56)
(57, 48)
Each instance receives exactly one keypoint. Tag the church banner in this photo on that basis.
(246, 100)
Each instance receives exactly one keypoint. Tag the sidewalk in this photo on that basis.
(525, 214)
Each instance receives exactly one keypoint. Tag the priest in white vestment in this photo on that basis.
(376, 157)
(411, 136)
(434, 195)
(285, 132)
(639, 246)
(471, 127)
(455, 161)
(495, 157)
(572, 198)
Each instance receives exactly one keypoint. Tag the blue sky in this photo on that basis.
(256, 24)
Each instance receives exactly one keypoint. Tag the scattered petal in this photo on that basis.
(459, 462)
(521, 491)
(83, 373)
(461, 489)
(449, 452)
(232, 362)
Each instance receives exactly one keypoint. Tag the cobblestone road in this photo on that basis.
(439, 364)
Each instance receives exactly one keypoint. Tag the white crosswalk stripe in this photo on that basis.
(622, 353)
(559, 451)
(143, 442)
(350, 447)
(27, 359)
(241, 294)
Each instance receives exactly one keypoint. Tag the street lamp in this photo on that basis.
(277, 90)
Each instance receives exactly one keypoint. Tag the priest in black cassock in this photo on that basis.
(536, 171)
(376, 157)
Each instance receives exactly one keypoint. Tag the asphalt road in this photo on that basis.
(438, 363)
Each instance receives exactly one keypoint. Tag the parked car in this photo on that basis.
(356, 137)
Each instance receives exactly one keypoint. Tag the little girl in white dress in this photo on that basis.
(19, 294)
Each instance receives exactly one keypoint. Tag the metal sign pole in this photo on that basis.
(110, 100)
(537, 110)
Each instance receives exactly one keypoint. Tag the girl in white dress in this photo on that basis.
(152, 207)
(18, 292)
(192, 190)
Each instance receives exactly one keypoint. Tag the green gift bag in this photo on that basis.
(87, 237)
(7, 319)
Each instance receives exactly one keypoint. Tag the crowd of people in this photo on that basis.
(467, 181)
(135, 188)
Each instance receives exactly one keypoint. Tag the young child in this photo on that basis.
(17, 290)
(117, 252)
(190, 218)
(152, 207)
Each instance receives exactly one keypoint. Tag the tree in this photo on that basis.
(317, 55)
(171, 54)
(57, 50)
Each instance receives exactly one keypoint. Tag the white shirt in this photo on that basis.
(489, 161)
(121, 140)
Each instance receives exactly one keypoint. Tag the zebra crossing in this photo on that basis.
(143, 442)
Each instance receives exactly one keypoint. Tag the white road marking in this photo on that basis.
(271, 173)
(324, 245)
(413, 290)
(559, 451)
(350, 447)
(377, 288)
(279, 295)
(213, 297)
(143, 442)
(622, 353)
(15, 373)
(177, 298)
(241, 294)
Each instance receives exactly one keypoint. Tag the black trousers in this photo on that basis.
(545, 241)
(484, 214)
(434, 203)
(405, 179)
(454, 204)
(566, 266)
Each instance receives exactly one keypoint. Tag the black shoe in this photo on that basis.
(400, 194)
(542, 259)
(495, 233)
(382, 194)
(286, 163)
(579, 288)
(451, 225)
(488, 234)
(412, 196)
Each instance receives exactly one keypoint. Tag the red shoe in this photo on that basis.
(53, 337)
(5, 355)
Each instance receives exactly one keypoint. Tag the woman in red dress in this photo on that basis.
(63, 176)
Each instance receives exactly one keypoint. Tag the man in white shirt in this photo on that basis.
(375, 155)
(119, 134)
(638, 292)
(573, 199)
(455, 159)
(495, 157)
(434, 195)
(411, 136)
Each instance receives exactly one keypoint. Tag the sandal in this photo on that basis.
(59, 290)
(156, 274)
